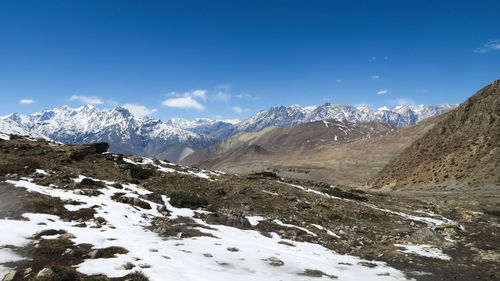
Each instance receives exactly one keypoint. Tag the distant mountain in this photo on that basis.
(463, 149)
(219, 129)
(283, 116)
(286, 139)
(177, 138)
(124, 132)
(11, 127)
(337, 152)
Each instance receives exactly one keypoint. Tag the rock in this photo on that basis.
(47, 232)
(100, 147)
(274, 261)
(233, 249)
(67, 235)
(27, 271)
(317, 273)
(367, 264)
(153, 197)
(45, 274)
(426, 236)
(9, 276)
(91, 182)
(140, 203)
(93, 254)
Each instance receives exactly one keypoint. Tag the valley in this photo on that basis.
(73, 202)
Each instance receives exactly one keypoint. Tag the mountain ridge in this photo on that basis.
(463, 149)
(176, 138)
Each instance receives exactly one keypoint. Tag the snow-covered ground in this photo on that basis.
(432, 219)
(423, 250)
(232, 254)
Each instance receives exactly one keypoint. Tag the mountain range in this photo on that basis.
(339, 152)
(176, 138)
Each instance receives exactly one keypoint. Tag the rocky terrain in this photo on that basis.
(80, 213)
(330, 151)
(463, 149)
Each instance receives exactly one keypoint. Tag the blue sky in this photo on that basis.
(230, 59)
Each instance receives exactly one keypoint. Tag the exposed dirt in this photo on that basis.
(463, 149)
(365, 227)
(314, 151)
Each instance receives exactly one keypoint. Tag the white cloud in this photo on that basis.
(87, 100)
(224, 87)
(375, 76)
(338, 80)
(382, 92)
(246, 96)
(221, 96)
(139, 110)
(184, 102)
(239, 110)
(27, 101)
(373, 58)
(492, 45)
(197, 94)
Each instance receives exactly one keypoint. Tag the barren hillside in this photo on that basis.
(463, 149)
(308, 151)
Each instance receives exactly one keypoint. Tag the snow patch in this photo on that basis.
(424, 251)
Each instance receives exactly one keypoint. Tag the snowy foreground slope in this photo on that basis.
(230, 253)
(76, 211)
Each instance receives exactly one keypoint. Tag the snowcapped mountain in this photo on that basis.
(218, 129)
(9, 126)
(177, 138)
(281, 116)
(124, 132)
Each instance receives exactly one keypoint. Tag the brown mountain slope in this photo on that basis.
(463, 149)
(299, 137)
(287, 151)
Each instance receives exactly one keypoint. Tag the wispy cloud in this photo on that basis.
(86, 100)
(221, 96)
(338, 80)
(246, 96)
(139, 110)
(404, 101)
(185, 102)
(27, 101)
(382, 92)
(239, 110)
(226, 86)
(491, 45)
(198, 94)
(375, 77)
(373, 58)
